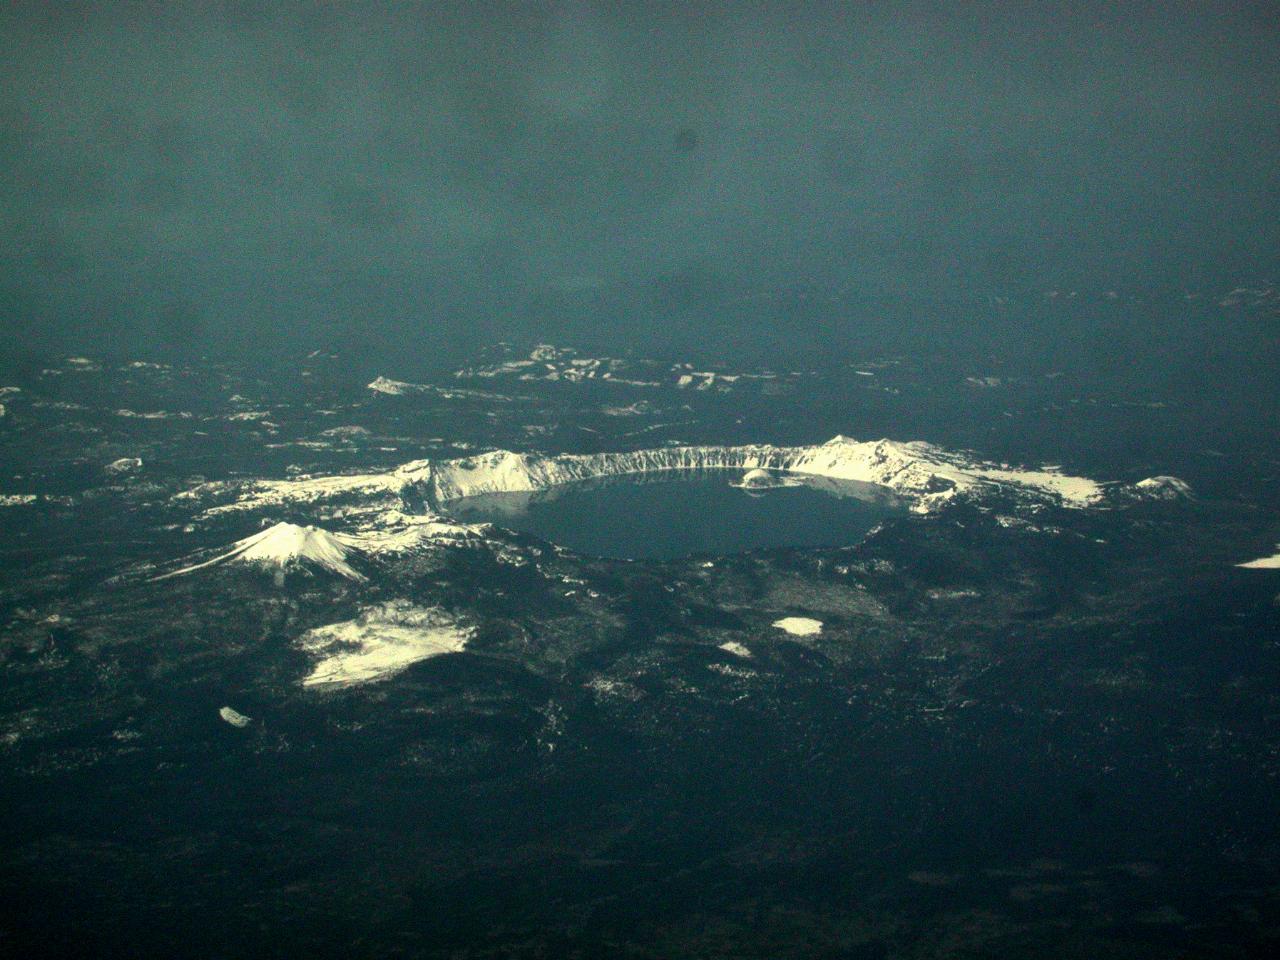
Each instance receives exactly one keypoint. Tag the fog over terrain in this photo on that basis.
(411, 181)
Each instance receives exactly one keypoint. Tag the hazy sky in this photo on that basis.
(421, 178)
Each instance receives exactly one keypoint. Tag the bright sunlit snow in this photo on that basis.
(380, 642)
(285, 545)
(1263, 563)
(799, 626)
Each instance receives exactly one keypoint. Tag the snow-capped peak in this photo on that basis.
(286, 545)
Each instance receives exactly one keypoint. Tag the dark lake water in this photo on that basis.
(680, 513)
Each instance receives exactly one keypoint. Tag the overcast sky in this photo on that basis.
(427, 177)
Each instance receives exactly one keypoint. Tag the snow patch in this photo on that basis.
(346, 433)
(399, 388)
(799, 626)
(737, 649)
(379, 643)
(154, 415)
(604, 688)
(396, 388)
(234, 717)
(756, 478)
(123, 465)
(1263, 563)
(1072, 491)
(761, 479)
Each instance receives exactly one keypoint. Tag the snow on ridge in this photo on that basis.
(1163, 488)
(400, 388)
(547, 362)
(399, 532)
(123, 465)
(365, 491)
(396, 388)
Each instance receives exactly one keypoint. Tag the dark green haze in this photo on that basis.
(408, 181)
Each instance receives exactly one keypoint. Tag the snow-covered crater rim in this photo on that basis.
(918, 475)
(923, 475)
